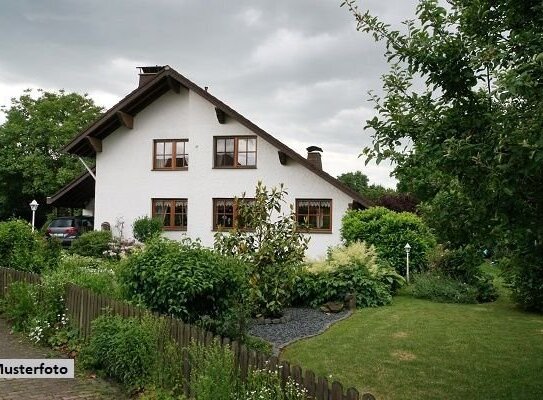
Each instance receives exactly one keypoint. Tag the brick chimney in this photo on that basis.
(147, 73)
(314, 156)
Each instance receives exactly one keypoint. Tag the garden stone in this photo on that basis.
(267, 321)
(334, 306)
(276, 321)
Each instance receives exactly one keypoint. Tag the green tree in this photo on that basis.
(31, 166)
(270, 242)
(473, 117)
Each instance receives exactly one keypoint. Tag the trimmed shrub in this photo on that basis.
(190, 282)
(389, 232)
(442, 289)
(24, 250)
(92, 244)
(146, 228)
(124, 348)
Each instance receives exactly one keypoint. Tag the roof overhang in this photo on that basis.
(75, 194)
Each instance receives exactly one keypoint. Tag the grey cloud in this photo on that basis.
(297, 68)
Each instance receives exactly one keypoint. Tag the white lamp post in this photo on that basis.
(33, 206)
(407, 249)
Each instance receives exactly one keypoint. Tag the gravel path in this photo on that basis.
(304, 322)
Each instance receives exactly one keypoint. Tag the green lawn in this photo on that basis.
(416, 349)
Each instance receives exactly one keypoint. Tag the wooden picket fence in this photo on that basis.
(8, 276)
(83, 306)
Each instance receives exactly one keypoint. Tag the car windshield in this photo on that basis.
(61, 223)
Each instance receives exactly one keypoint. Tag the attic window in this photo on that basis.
(170, 154)
(235, 152)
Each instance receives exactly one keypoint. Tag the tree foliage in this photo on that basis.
(270, 242)
(476, 120)
(380, 195)
(35, 128)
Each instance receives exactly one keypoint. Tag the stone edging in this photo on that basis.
(278, 349)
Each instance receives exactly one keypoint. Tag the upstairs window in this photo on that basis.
(235, 152)
(172, 213)
(225, 214)
(314, 215)
(170, 154)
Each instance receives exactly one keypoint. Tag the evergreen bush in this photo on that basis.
(389, 232)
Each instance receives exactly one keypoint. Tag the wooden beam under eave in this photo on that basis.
(95, 143)
(282, 157)
(221, 116)
(173, 84)
(126, 119)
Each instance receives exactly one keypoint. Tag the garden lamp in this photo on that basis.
(407, 249)
(33, 206)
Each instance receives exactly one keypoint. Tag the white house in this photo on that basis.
(171, 149)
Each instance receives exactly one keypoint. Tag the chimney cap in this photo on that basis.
(152, 69)
(311, 149)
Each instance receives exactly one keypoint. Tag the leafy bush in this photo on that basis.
(145, 228)
(271, 243)
(525, 279)
(442, 289)
(352, 269)
(190, 282)
(314, 289)
(398, 202)
(213, 374)
(389, 232)
(24, 250)
(464, 265)
(124, 348)
(91, 273)
(20, 305)
(92, 244)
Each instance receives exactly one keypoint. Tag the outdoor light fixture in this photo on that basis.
(407, 249)
(33, 206)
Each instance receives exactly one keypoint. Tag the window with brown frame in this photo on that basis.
(235, 152)
(172, 213)
(225, 214)
(170, 154)
(314, 214)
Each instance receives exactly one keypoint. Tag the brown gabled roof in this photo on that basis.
(168, 79)
(75, 194)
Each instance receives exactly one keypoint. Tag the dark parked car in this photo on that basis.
(66, 229)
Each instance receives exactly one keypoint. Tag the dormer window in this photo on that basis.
(235, 152)
(170, 154)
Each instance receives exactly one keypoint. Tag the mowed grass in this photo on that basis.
(417, 349)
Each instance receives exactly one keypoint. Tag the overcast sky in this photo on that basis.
(297, 68)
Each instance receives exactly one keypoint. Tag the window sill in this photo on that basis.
(171, 169)
(249, 167)
(312, 231)
(174, 229)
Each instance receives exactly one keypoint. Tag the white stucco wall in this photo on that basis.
(126, 182)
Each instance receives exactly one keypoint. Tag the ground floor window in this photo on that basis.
(172, 213)
(314, 214)
(226, 215)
